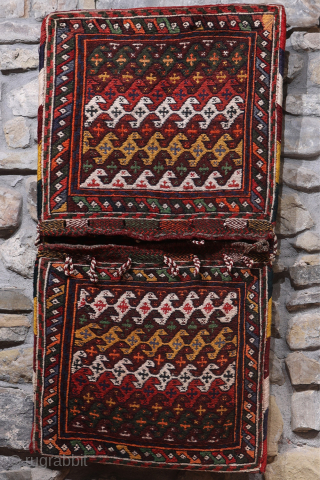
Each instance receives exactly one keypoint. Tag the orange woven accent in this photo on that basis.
(174, 226)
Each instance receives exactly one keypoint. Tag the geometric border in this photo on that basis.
(52, 25)
(255, 303)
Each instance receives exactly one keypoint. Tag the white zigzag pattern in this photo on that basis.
(164, 310)
(164, 184)
(165, 375)
(164, 111)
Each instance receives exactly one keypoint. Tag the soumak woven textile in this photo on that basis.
(159, 122)
(159, 150)
(148, 365)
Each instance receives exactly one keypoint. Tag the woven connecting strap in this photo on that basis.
(259, 247)
(69, 269)
(197, 265)
(229, 261)
(174, 270)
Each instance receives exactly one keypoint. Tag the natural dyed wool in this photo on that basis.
(159, 114)
(152, 357)
(162, 126)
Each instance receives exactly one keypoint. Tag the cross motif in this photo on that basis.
(241, 76)
(227, 94)
(97, 59)
(180, 94)
(157, 94)
(103, 76)
(110, 93)
(133, 94)
(178, 409)
(88, 397)
(122, 131)
(151, 78)
(191, 59)
(175, 78)
(222, 410)
(144, 60)
(201, 410)
(197, 78)
(167, 61)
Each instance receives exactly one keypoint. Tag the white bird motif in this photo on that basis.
(116, 111)
(122, 306)
(92, 110)
(140, 112)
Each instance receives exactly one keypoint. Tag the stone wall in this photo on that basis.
(294, 422)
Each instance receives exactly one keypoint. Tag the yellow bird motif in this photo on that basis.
(219, 342)
(197, 344)
(86, 333)
(176, 344)
(133, 340)
(86, 141)
(198, 149)
(105, 148)
(155, 342)
(110, 338)
(129, 148)
(221, 149)
(152, 148)
(175, 149)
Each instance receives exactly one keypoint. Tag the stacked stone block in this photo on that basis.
(294, 420)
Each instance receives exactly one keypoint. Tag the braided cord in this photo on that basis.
(125, 267)
(197, 265)
(173, 269)
(228, 261)
(68, 267)
(92, 271)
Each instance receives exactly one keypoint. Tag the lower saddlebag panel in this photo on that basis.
(152, 358)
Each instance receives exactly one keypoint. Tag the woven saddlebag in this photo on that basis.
(153, 357)
(160, 126)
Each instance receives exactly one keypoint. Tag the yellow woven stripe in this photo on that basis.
(35, 329)
(269, 318)
(39, 162)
